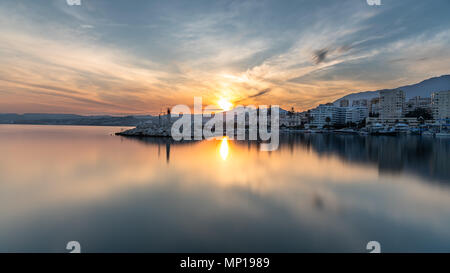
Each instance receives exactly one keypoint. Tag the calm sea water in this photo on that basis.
(319, 193)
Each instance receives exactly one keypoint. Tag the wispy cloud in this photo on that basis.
(111, 57)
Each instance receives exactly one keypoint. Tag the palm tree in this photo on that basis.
(328, 120)
(168, 114)
(291, 112)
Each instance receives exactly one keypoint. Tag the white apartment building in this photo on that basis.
(289, 119)
(324, 112)
(392, 103)
(418, 102)
(374, 106)
(440, 103)
(356, 114)
(337, 115)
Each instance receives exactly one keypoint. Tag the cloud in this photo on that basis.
(109, 57)
(258, 94)
(320, 55)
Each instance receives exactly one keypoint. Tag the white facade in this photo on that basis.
(418, 102)
(441, 105)
(374, 106)
(289, 119)
(320, 114)
(337, 115)
(392, 103)
(356, 114)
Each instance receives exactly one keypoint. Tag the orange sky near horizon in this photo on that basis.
(108, 57)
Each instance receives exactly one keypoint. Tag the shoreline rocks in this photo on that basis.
(149, 129)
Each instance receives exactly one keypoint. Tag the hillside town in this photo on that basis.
(388, 114)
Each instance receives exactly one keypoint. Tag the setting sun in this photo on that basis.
(225, 104)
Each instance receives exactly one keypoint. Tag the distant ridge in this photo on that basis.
(71, 119)
(422, 89)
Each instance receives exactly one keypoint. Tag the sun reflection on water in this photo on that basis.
(224, 148)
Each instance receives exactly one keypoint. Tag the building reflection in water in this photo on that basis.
(423, 156)
(167, 153)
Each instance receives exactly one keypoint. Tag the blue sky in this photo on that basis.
(122, 57)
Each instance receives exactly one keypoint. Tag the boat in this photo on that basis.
(415, 131)
(401, 128)
(443, 134)
(385, 132)
(346, 131)
(376, 128)
(428, 134)
(443, 131)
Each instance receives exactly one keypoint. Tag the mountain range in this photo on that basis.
(71, 119)
(422, 89)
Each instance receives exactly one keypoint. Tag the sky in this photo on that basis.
(141, 56)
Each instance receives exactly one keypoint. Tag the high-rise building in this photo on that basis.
(418, 102)
(392, 103)
(356, 114)
(374, 106)
(440, 102)
(327, 114)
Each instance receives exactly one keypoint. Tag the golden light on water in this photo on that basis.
(225, 104)
(224, 148)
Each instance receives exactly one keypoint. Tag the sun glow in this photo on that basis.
(225, 104)
(224, 148)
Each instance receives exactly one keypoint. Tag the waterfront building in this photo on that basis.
(392, 104)
(327, 114)
(291, 119)
(374, 107)
(355, 114)
(324, 114)
(418, 102)
(339, 115)
(412, 122)
(441, 105)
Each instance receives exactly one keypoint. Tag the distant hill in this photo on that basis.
(70, 119)
(422, 89)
